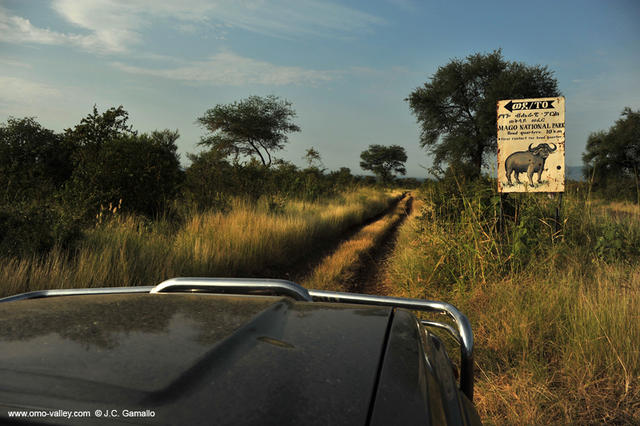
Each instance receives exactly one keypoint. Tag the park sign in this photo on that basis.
(531, 145)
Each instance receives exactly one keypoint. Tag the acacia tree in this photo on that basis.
(384, 161)
(613, 157)
(456, 109)
(255, 126)
(313, 159)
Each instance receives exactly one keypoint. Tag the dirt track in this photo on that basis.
(357, 263)
(371, 271)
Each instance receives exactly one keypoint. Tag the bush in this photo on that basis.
(27, 230)
(140, 172)
(34, 162)
(211, 181)
(502, 235)
(554, 314)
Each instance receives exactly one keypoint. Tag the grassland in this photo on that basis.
(556, 316)
(340, 270)
(251, 239)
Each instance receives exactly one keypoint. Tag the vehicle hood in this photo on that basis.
(192, 358)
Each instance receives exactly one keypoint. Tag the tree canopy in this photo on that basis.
(313, 159)
(34, 161)
(114, 164)
(256, 126)
(613, 156)
(384, 161)
(96, 128)
(456, 108)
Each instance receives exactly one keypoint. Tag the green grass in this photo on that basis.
(556, 316)
(249, 240)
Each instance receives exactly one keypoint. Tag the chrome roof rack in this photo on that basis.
(76, 292)
(462, 332)
(235, 286)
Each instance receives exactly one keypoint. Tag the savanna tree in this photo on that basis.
(384, 161)
(254, 127)
(456, 108)
(313, 159)
(613, 157)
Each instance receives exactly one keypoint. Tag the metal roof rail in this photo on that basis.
(235, 286)
(462, 333)
(75, 292)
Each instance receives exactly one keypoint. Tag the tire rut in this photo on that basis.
(355, 265)
(305, 266)
(369, 278)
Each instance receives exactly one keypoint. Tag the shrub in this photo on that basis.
(27, 230)
(142, 172)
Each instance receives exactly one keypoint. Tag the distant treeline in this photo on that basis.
(612, 159)
(52, 185)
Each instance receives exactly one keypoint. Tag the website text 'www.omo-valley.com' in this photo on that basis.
(70, 414)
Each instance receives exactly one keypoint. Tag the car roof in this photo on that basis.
(247, 359)
(180, 346)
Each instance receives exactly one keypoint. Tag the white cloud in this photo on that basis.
(15, 29)
(18, 93)
(229, 69)
(115, 26)
(288, 18)
(14, 63)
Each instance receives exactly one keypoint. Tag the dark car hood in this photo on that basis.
(192, 359)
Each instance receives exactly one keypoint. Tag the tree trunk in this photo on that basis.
(255, 148)
(635, 172)
(477, 160)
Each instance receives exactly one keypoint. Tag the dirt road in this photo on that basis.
(357, 263)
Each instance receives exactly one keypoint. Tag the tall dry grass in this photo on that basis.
(556, 323)
(338, 271)
(251, 239)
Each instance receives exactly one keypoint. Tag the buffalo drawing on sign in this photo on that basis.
(530, 161)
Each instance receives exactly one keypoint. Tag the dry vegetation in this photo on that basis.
(618, 210)
(556, 316)
(338, 271)
(556, 322)
(248, 240)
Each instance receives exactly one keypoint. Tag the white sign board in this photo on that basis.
(531, 145)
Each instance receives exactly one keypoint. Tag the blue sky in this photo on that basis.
(346, 66)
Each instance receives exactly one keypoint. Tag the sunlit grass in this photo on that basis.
(246, 241)
(618, 211)
(338, 270)
(556, 337)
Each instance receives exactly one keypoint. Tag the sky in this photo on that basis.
(346, 66)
